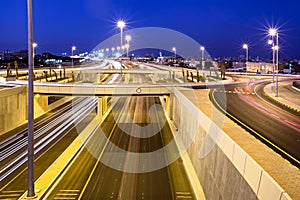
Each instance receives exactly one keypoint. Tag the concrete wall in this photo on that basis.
(13, 107)
(224, 170)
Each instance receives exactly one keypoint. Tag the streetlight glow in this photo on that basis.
(273, 32)
(270, 42)
(121, 24)
(276, 48)
(245, 46)
(128, 38)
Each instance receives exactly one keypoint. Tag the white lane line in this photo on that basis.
(13, 191)
(184, 193)
(290, 122)
(69, 190)
(183, 197)
(66, 194)
(275, 116)
(9, 195)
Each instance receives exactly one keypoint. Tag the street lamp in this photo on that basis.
(128, 39)
(174, 49)
(112, 50)
(271, 42)
(202, 49)
(107, 50)
(127, 48)
(34, 45)
(121, 24)
(73, 49)
(273, 32)
(246, 47)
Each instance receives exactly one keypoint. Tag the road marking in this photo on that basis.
(275, 116)
(10, 195)
(69, 190)
(185, 193)
(235, 92)
(13, 191)
(66, 194)
(13, 194)
(290, 122)
(183, 197)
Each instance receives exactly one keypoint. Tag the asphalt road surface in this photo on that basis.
(89, 178)
(276, 126)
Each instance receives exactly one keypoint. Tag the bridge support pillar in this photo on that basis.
(102, 106)
(169, 105)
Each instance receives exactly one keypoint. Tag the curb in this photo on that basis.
(268, 94)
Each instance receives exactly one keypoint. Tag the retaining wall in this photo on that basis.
(13, 107)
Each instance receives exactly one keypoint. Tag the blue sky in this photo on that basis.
(222, 26)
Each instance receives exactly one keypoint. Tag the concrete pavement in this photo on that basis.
(287, 94)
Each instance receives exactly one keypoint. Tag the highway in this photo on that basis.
(52, 135)
(276, 126)
(89, 178)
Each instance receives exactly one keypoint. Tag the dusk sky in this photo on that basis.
(222, 26)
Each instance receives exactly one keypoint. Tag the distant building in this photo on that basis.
(261, 67)
(7, 55)
(20, 54)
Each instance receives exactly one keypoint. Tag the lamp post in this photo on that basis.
(127, 48)
(73, 49)
(174, 49)
(112, 50)
(128, 39)
(202, 49)
(34, 45)
(274, 34)
(246, 47)
(107, 52)
(121, 24)
(30, 178)
(271, 42)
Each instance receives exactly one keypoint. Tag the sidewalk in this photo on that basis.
(287, 95)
